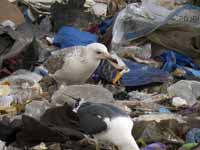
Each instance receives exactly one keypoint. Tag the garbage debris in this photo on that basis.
(16, 50)
(70, 36)
(139, 55)
(13, 14)
(157, 146)
(193, 109)
(145, 75)
(138, 75)
(164, 110)
(140, 96)
(185, 89)
(92, 93)
(36, 109)
(143, 52)
(42, 6)
(189, 146)
(2, 145)
(104, 25)
(172, 28)
(147, 129)
(98, 8)
(41, 146)
(193, 136)
(179, 102)
(18, 89)
(75, 15)
(104, 7)
(173, 61)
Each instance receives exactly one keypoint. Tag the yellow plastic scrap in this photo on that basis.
(117, 78)
(119, 75)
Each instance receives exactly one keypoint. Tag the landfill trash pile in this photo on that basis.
(99, 74)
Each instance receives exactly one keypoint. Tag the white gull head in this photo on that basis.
(97, 51)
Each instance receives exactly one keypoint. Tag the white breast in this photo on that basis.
(119, 130)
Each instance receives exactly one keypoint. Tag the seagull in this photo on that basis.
(76, 64)
(105, 122)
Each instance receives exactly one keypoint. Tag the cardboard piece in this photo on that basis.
(9, 11)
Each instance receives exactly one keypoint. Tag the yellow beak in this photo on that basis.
(113, 62)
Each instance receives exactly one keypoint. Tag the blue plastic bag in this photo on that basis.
(69, 36)
(138, 75)
(173, 60)
(141, 74)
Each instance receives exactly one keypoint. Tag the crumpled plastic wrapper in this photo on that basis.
(19, 89)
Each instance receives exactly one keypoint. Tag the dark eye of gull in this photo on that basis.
(98, 52)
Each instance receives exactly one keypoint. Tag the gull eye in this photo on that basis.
(98, 52)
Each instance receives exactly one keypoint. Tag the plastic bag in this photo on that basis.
(173, 61)
(19, 87)
(175, 29)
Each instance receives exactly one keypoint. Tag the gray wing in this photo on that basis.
(114, 111)
(91, 122)
(54, 63)
(56, 60)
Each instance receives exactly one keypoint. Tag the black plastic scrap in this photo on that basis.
(19, 49)
(12, 44)
(21, 40)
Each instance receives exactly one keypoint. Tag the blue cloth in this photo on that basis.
(173, 60)
(69, 36)
(141, 74)
(193, 136)
(105, 25)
